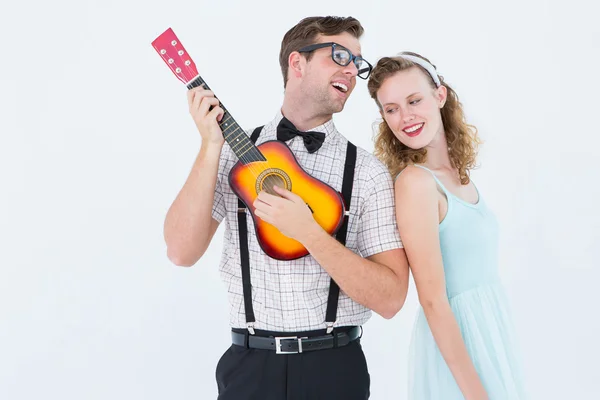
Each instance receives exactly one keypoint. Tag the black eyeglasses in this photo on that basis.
(342, 56)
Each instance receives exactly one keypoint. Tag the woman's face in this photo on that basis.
(411, 107)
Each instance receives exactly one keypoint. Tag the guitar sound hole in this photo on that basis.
(271, 177)
(273, 180)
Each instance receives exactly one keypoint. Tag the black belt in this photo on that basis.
(295, 344)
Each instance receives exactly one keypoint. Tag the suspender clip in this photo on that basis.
(330, 327)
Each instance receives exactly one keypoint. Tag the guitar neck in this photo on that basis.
(234, 135)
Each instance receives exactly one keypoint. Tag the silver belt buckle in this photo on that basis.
(278, 340)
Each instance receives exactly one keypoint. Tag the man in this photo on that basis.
(273, 300)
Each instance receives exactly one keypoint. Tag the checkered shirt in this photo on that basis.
(292, 295)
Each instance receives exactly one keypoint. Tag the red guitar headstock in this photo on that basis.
(168, 46)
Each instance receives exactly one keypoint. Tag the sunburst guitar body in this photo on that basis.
(260, 167)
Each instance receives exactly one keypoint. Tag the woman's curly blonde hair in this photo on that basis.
(461, 137)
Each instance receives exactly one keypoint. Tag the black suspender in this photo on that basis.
(244, 254)
(334, 290)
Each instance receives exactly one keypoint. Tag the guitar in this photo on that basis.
(260, 167)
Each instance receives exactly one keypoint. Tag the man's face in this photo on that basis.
(326, 83)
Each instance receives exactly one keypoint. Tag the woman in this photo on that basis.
(463, 345)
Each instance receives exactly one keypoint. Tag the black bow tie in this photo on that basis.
(312, 140)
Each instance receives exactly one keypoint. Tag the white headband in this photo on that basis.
(424, 64)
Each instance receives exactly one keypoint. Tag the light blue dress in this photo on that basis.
(469, 244)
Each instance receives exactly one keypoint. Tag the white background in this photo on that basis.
(96, 141)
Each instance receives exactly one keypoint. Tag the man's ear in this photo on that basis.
(297, 64)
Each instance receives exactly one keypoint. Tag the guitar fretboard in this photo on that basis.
(237, 138)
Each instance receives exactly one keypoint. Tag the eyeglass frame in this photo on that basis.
(353, 58)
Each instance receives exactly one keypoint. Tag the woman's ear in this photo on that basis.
(442, 95)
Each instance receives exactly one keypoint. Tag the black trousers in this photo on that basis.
(332, 374)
